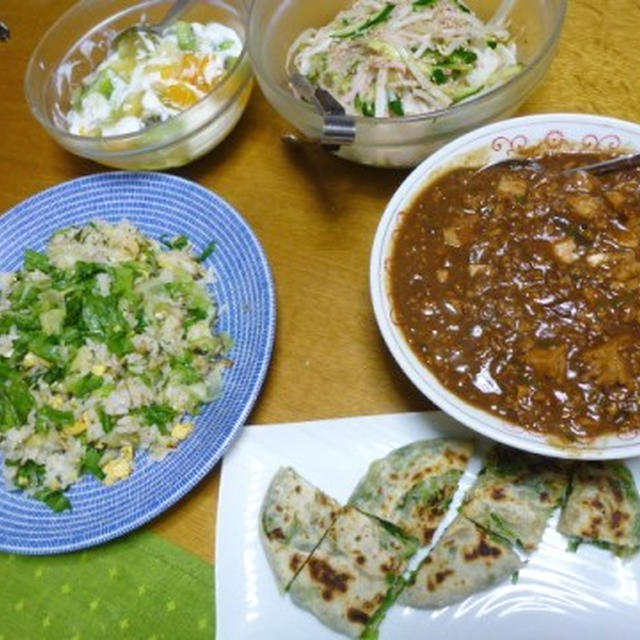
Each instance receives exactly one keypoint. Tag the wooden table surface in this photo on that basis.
(316, 216)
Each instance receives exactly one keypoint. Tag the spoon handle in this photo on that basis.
(615, 164)
(501, 12)
(338, 127)
(177, 9)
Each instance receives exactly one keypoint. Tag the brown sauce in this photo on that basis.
(520, 291)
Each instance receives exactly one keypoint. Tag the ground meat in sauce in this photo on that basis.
(520, 291)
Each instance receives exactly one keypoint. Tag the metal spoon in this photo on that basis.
(606, 166)
(338, 128)
(597, 168)
(177, 9)
(5, 33)
(513, 163)
(501, 12)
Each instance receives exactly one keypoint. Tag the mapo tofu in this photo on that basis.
(519, 288)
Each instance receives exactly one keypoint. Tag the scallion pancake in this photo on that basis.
(603, 506)
(295, 516)
(515, 495)
(465, 560)
(413, 485)
(348, 577)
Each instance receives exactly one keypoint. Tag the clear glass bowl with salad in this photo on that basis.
(141, 101)
(413, 74)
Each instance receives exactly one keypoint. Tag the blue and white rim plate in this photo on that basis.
(158, 204)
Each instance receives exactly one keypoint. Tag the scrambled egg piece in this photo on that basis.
(182, 430)
(77, 427)
(31, 360)
(98, 369)
(119, 468)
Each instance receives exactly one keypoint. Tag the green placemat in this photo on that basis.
(140, 587)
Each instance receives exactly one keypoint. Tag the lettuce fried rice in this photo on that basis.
(107, 346)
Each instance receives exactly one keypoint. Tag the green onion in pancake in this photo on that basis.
(413, 485)
(515, 495)
(465, 560)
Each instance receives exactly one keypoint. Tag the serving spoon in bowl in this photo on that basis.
(597, 168)
(175, 11)
(338, 128)
(501, 12)
(606, 166)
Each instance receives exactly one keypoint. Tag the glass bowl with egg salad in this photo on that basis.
(148, 78)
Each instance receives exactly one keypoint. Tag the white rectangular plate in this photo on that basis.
(559, 595)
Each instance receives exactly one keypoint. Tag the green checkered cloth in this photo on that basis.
(140, 587)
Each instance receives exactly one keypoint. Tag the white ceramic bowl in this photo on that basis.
(554, 132)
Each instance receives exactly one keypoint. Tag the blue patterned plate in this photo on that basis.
(157, 204)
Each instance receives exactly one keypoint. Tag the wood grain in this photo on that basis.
(316, 216)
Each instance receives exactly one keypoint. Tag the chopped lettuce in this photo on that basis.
(109, 335)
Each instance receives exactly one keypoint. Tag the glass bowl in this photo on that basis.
(79, 40)
(400, 141)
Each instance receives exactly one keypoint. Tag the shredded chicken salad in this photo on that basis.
(107, 340)
(404, 57)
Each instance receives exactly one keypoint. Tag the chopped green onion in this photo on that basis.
(396, 106)
(34, 260)
(178, 243)
(102, 84)
(55, 500)
(91, 463)
(120, 344)
(85, 385)
(366, 106)
(106, 420)
(186, 37)
(181, 242)
(158, 415)
(377, 19)
(29, 474)
(573, 544)
(465, 55)
(56, 417)
(438, 76)
(208, 250)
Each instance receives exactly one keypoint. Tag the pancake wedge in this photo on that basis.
(413, 485)
(603, 507)
(353, 573)
(295, 515)
(515, 495)
(465, 560)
